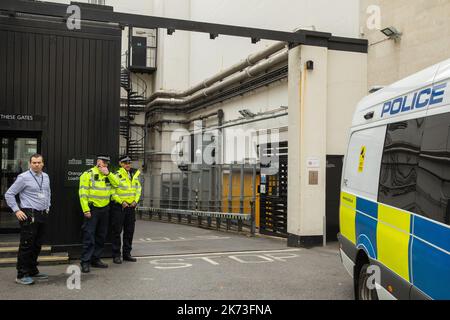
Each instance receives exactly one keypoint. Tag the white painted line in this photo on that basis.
(218, 253)
(179, 240)
(241, 260)
(214, 263)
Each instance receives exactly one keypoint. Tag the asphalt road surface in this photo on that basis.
(183, 262)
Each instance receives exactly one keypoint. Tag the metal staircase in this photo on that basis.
(132, 104)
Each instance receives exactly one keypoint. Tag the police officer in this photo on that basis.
(125, 198)
(95, 194)
(33, 188)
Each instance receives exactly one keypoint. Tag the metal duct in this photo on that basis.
(250, 61)
(247, 73)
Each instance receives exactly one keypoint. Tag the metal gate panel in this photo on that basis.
(274, 190)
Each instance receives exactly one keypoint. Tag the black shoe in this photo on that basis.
(85, 268)
(117, 260)
(129, 258)
(99, 264)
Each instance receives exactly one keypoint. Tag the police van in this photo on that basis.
(395, 200)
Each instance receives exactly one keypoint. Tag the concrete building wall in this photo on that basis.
(321, 106)
(185, 59)
(425, 25)
(210, 56)
(346, 86)
(207, 57)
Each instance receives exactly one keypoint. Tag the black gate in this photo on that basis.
(274, 189)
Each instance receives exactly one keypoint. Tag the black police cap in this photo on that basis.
(125, 158)
(103, 157)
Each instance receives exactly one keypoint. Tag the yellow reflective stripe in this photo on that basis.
(393, 235)
(122, 191)
(125, 194)
(101, 188)
(94, 196)
(347, 216)
(348, 200)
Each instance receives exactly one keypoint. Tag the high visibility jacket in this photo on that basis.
(128, 190)
(96, 188)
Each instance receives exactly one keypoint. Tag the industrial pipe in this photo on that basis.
(249, 61)
(247, 73)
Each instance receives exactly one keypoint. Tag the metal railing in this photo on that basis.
(208, 219)
(223, 193)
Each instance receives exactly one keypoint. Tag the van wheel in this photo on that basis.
(364, 292)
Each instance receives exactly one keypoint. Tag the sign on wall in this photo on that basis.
(20, 117)
(74, 169)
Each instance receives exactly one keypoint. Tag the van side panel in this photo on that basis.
(358, 215)
(366, 226)
(347, 216)
(431, 258)
(393, 239)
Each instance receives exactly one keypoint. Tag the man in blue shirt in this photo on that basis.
(33, 188)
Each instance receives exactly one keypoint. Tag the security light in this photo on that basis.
(170, 31)
(212, 36)
(391, 33)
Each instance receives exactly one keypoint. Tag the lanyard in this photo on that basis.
(42, 180)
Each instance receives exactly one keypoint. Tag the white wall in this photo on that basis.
(209, 56)
(187, 58)
(201, 57)
(346, 87)
(425, 41)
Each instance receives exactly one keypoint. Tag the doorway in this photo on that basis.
(16, 150)
(333, 195)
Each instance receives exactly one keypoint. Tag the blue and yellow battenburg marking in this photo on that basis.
(416, 249)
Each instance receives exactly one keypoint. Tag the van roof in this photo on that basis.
(424, 78)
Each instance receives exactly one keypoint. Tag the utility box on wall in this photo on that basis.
(142, 49)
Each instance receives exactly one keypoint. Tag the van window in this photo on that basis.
(433, 175)
(399, 165)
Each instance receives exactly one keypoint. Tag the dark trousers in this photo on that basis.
(32, 233)
(95, 231)
(122, 219)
